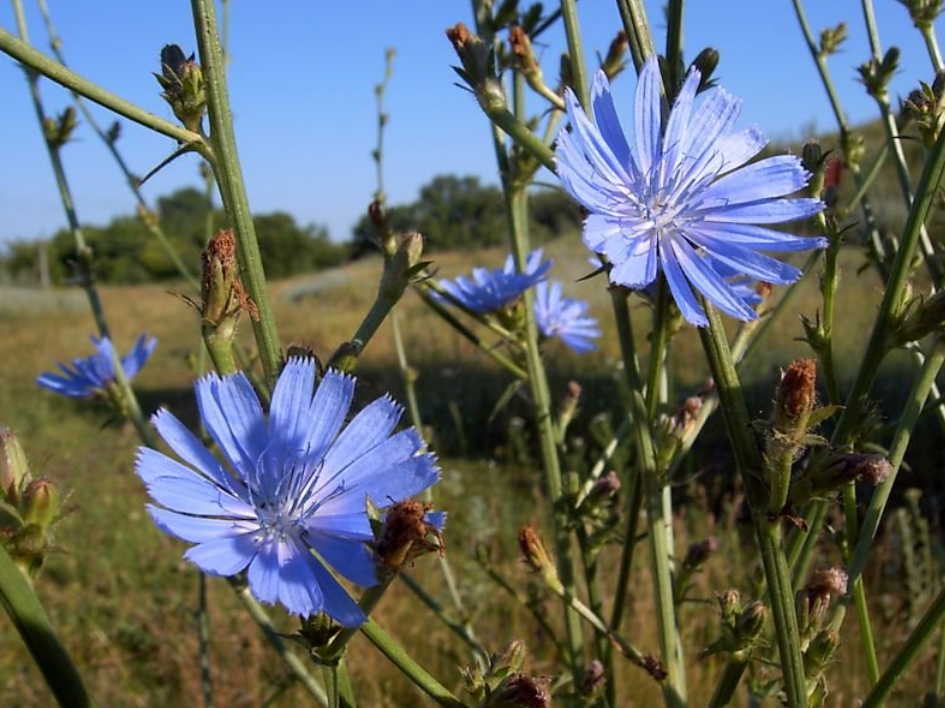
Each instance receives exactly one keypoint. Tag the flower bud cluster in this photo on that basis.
(499, 682)
(925, 107)
(181, 79)
(831, 38)
(58, 130)
(877, 73)
(28, 507)
(741, 627)
(923, 12)
(920, 317)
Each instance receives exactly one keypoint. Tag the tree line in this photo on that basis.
(452, 212)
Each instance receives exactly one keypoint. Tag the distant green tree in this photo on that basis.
(125, 252)
(461, 213)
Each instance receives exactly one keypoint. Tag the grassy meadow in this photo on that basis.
(123, 600)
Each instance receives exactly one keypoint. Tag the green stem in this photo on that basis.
(230, 180)
(748, 461)
(940, 667)
(39, 62)
(28, 616)
(500, 115)
(931, 44)
(674, 688)
(633, 14)
(728, 683)
(658, 344)
(674, 43)
(517, 205)
(460, 629)
(897, 450)
(910, 650)
(203, 640)
(866, 630)
(296, 666)
(411, 669)
(575, 51)
(471, 336)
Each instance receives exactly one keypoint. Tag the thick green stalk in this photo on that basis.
(728, 683)
(897, 450)
(749, 463)
(516, 199)
(230, 180)
(39, 62)
(575, 51)
(931, 44)
(28, 616)
(411, 669)
(674, 46)
(203, 640)
(674, 688)
(633, 15)
(909, 652)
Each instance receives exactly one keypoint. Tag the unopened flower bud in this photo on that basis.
(594, 677)
(537, 557)
(921, 317)
(875, 74)
(181, 79)
(41, 503)
(831, 38)
(819, 652)
(222, 293)
(522, 50)
(522, 691)
(840, 469)
(699, 552)
(615, 60)
(813, 600)
(513, 656)
(923, 12)
(473, 54)
(605, 487)
(14, 468)
(402, 266)
(113, 132)
(853, 147)
(796, 392)
(59, 130)
(409, 531)
(706, 63)
(750, 622)
(730, 604)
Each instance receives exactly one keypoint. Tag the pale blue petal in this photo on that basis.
(300, 589)
(290, 413)
(329, 410)
(647, 115)
(337, 602)
(386, 486)
(766, 179)
(138, 356)
(223, 556)
(593, 145)
(436, 519)
(637, 267)
(607, 121)
(216, 416)
(679, 287)
(355, 526)
(197, 529)
(369, 428)
(773, 211)
(761, 238)
(264, 573)
(186, 445)
(747, 261)
(738, 148)
(352, 559)
(676, 139)
(704, 277)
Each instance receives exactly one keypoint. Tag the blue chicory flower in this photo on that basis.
(682, 201)
(488, 290)
(93, 373)
(294, 480)
(565, 318)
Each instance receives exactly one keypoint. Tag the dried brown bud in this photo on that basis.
(832, 581)
(796, 391)
(407, 534)
(523, 691)
(223, 296)
(522, 50)
(533, 549)
(615, 60)
(473, 53)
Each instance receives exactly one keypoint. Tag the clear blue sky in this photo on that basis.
(301, 84)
